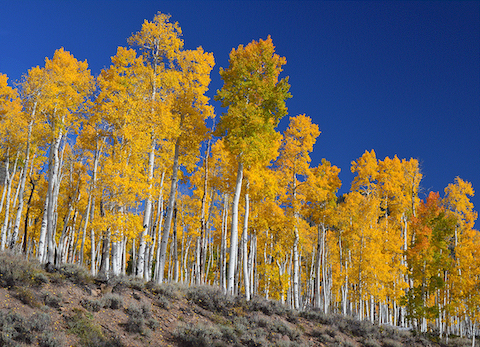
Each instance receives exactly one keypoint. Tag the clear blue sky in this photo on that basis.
(397, 77)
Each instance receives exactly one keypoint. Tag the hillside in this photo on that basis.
(69, 308)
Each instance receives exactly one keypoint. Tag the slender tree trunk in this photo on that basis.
(116, 258)
(53, 185)
(223, 247)
(252, 264)
(246, 278)
(23, 179)
(147, 215)
(168, 220)
(158, 225)
(105, 263)
(473, 332)
(234, 232)
(25, 233)
(316, 285)
(203, 220)
(9, 181)
(93, 268)
(5, 184)
(91, 202)
(175, 248)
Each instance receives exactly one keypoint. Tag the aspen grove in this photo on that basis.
(91, 170)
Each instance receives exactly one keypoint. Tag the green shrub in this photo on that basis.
(82, 325)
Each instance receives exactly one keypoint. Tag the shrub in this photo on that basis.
(135, 325)
(268, 307)
(91, 305)
(26, 296)
(283, 329)
(14, 328)
(153, 324)
(361, 328)
(52, 300)
(369, 342)
(16, 271)
(82, 325)
(40, 321)
(75, 273)
(316, 316)
(112, 301)
(228, 334)
(136, 318)
(48, 339)
(255, 337)
(120, 283)
(198, 335)
(460, 342)
(138, 311)
(168, 290)
(391, 343)
(211, 299)
(331, 332)
(162, 302)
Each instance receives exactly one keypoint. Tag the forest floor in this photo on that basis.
(69, 308)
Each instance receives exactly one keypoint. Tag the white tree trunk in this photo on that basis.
(147, 215)
(223, 247)
(9, 180)
(168, 220)
(53, 183)
(116, 258)
(158, 227)
(246, 278)
(234, 232)
(23, 179)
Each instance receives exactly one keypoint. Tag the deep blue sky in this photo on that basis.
(397, 77)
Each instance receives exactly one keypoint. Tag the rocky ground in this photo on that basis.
(69, 308)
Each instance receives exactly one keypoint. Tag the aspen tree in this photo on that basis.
(67, 83)
(178, 80)
(293, 163)
(160, 43)
(11, 122)
(255, 98)
(320, 191)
